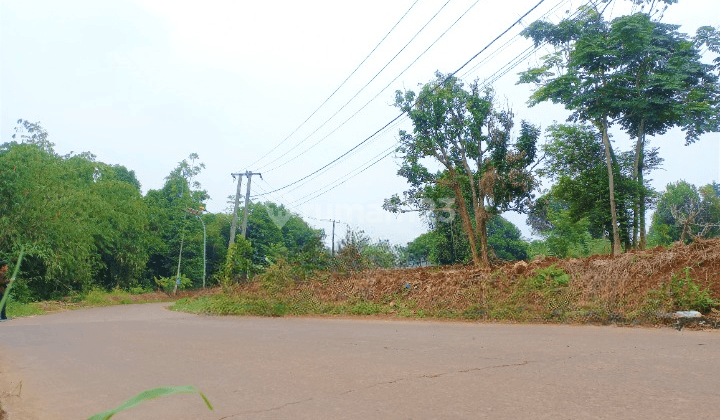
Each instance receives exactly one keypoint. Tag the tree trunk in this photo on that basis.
(481, 218)
(611, 184)
(639, 208)
(467, 224)
(482, 234)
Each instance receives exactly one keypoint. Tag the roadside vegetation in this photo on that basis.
(638, 288)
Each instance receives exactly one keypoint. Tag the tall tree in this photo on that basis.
(643, 74)
(579, 76)
(685, 212)
(169, 222)
(662, 83)
(82, 222)
(574, 159)
(462, 131)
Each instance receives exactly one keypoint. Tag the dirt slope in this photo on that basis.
(619, 284)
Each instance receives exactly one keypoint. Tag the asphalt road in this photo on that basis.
(74, 364)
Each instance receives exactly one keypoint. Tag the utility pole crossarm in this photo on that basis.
(333, 233)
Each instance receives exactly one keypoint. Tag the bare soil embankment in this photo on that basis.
(637, 286)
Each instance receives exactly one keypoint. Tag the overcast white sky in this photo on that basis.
(145, 83)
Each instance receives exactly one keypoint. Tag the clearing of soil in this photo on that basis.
(631, 274)
(599, 288)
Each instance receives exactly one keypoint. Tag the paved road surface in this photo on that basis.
(74, 364)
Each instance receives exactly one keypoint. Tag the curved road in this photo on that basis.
(77, 363)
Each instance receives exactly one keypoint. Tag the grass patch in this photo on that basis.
(91, 299)
(19, 310)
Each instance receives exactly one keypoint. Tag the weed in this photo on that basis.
(687, 295)
(167, 284)
(277, 277)
(552, 276)
(364, 307)
(475, 311)
(150, 395)
(97, 297)
(18, 309)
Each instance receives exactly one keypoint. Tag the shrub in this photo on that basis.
(97, 297)
(687, 295)
(167, 284)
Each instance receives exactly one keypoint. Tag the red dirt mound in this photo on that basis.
(626, 278)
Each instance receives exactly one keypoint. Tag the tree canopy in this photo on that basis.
(464, 133)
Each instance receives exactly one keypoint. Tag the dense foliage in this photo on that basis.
(85, 224)
(483, 168)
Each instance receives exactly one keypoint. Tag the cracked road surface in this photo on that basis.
(77, 363)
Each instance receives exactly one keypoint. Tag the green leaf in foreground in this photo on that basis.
(149, 395)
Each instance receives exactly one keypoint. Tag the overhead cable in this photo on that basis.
(376, 96)
(361, 89)
(341, 84)
(401, 114)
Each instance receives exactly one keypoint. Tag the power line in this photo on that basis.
(496, 38)
(401, 114)
(352, 173)
(296, 210)
(331, 165)
(376, 96)
(386, 129)
(341, 156)
(510, 41)
(341, 84)
(361, 89)
(391, 150)
(489, 80)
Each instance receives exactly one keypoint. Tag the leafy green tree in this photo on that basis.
(305, 244)
(381, 254)
(662, 84)
(349, 256)
(684, 213)
(424, 248)
(578, 75)
(563, 235)
(35, 134)
(121, 221)
(43, 212)
(574, 160)
(82, 224)
(357, 252)
(169, 223)
(262, 232)
(505, 240)
(642, 73)
(462, 131)
(274, 231)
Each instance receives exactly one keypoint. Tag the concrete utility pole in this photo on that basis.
(333, 233)
(249, 175)
(233, 227)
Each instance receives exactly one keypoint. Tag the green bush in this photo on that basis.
(687, 295)
(278, 276)
(167, 284)
(97, 297)
(551, 276)
(139, 290)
